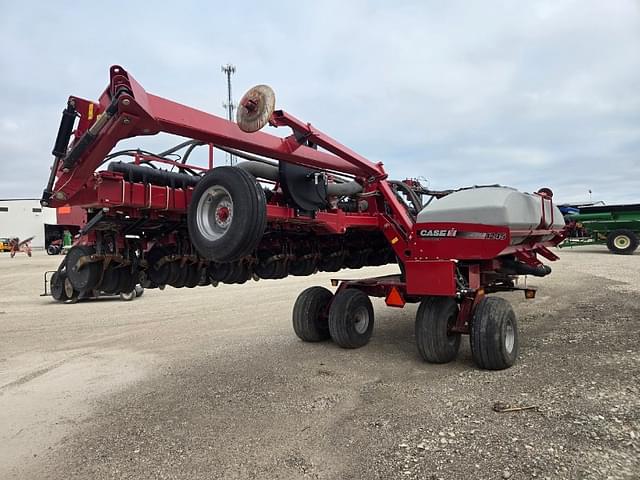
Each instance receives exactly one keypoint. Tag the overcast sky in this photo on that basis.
(526, 94)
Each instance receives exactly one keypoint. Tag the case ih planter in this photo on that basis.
(296, 205)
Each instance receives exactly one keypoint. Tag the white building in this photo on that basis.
(24, 218)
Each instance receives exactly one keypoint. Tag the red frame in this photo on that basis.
(430, 263)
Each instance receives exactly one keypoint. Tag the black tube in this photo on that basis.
(139, 174)
(260, 170)
(190, 149)
(247, 156)
(176, 148)
(271, 172)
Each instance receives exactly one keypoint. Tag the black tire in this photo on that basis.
(53, 250)
(622, 241)
(128, 280)
(56, 285)
(311, 314)
(86, 278)
(351, 318)
(434, 318)
(110, 280)
(128, 296)
(237, 193)
(70, 293)
(494, 334)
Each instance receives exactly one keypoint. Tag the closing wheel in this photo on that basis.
(435, 317)
(351, 318)
(127, 296)
(622, 241)
(310, 314)
(494, 334)
(83, 277)
(56, 285)
(227, 214)
(71, 293)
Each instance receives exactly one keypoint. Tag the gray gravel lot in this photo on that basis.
(212, 383)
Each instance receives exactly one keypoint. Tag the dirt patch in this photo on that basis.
(223, 389)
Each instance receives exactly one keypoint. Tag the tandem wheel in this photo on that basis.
(346, 317)
(434, 319)
(351, 318)
(311, 314)
(494, 334)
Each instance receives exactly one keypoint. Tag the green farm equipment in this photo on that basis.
(616, 226)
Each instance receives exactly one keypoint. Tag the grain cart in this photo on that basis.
(616, 226)
(296, 205)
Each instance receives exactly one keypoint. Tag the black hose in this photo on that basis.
(190, 149)
(176, 148)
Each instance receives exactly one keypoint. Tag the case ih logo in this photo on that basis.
(451, 232)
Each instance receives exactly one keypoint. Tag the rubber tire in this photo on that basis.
(435, 344)
(110, 280)
(488, 334)
(70, 293)
(88, 277)
(249, 215)
(53, 250)
(56, 285)
(128, 280)
(341, 321)
(127, 296)
(633, 241)
(310, 314)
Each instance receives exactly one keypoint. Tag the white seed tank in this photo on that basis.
(495, 205)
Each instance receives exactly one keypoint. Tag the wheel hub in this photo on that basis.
(622, 241)
(214, 213)
(361, 320)
(223, 214)
(509, 337)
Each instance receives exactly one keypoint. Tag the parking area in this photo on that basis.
(212, 383)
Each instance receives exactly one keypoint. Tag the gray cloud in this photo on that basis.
(527, 94)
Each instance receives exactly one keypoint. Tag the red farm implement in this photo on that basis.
(296, 205)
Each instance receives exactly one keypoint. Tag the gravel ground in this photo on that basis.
(212, 383)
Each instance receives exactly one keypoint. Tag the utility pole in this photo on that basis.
(229, 70)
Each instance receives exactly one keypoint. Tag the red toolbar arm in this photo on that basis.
(138, 113)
